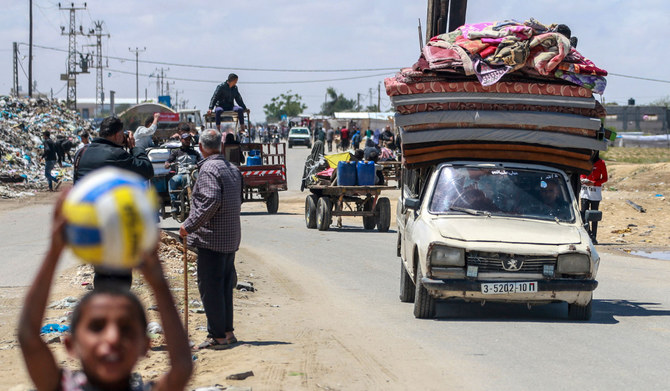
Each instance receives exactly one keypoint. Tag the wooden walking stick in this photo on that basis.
(185, 286)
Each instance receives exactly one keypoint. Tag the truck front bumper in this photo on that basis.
(556, 290)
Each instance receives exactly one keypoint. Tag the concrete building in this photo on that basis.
(646, 119)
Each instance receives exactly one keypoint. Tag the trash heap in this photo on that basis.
(501, 91)
(22, 122)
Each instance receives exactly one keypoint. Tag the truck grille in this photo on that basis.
(504, 263)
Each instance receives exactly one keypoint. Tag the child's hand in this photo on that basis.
(58, 224)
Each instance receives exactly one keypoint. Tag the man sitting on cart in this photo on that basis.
(224, 99)
(185, 158)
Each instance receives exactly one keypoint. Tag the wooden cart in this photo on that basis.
(325, 202)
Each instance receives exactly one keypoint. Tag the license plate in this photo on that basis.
(501, 288)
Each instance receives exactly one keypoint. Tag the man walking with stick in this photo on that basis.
(213, 227)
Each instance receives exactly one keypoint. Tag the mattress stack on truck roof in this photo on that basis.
(503, 91)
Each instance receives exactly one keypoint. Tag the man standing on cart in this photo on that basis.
(224, 99)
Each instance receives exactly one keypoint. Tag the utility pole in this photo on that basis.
(15, 77)
(358, 102)
(379, 97)
(71, 76)
(99, 89)
(137, 52)
(30, 53)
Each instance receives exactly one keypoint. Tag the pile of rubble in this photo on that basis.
(22, 122)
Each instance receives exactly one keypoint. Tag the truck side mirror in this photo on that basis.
(412, 203)
(593, 215)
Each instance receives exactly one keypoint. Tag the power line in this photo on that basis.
(639, 78)
(255, 82)
(233, 68)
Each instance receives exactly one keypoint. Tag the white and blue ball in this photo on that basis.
(111, 218)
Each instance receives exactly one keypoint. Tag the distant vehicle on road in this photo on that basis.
(299, 136)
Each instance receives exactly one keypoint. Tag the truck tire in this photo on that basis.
(407, 288)
(290, 145)
(310, 211)
(580, 312)
(323, 213)
(424, 303)
(272, 202)
(369, 222)
(383, 214)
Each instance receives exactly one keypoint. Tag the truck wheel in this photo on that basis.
(383, 214)
(323, 213)
(424, 303)
(369, 222)
(407, 288)
(310, 211)
(579, 312)
(272, 202)
(290, 145)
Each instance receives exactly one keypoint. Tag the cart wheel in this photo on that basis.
(369, 222)
(272, 202)
(310, 210)
(383, 214)
(323, 213)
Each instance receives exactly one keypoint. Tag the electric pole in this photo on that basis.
(30, 53)
(71, 76)
(15, 78)
(137, 52)
(379, 97)
(99, 89)
(358, 102)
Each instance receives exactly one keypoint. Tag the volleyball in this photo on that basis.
(110, 218)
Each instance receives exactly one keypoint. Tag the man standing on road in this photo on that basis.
(105, 151)
(50, 158)
(143, 134)
(330, 135)
(224, 99)
(213, 227)
(85, 140)
(344, 138)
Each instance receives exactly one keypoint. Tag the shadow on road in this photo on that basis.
(604, 312)
(267, 214)
(264, 343)
(352, 229)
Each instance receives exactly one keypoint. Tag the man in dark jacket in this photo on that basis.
(105, 151)
(224, 99)
(109, 150)
(50, 157)
(213, 227)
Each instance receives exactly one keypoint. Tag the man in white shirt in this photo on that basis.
(143, 134)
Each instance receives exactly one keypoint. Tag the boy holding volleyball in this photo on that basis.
(108, 331)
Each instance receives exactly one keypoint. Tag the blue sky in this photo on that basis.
(625, 37)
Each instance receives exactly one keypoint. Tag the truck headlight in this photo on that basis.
(574, 263)
(446, 256)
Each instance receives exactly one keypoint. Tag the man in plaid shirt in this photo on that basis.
(213, 227)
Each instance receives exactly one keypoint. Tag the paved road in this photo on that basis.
(24, 238)
(507, 347)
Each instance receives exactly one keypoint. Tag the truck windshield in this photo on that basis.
(492, 191)
(299, 131)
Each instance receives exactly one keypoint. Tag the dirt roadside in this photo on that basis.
(296, 332)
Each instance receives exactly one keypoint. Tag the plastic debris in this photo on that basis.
(54, 328)
(154, 328)
(22, 122)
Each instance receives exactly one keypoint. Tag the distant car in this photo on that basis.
(299, 136)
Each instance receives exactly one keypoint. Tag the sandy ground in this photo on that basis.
(290, 338)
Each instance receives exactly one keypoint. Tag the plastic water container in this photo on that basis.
(255, 152)
(346, 174)
(366, 173)
(254, 161)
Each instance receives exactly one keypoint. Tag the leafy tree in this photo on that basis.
(372, 109)
(285, 104)
(337, 103)
(664, 101)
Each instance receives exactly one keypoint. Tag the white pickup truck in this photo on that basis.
(494, 232)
